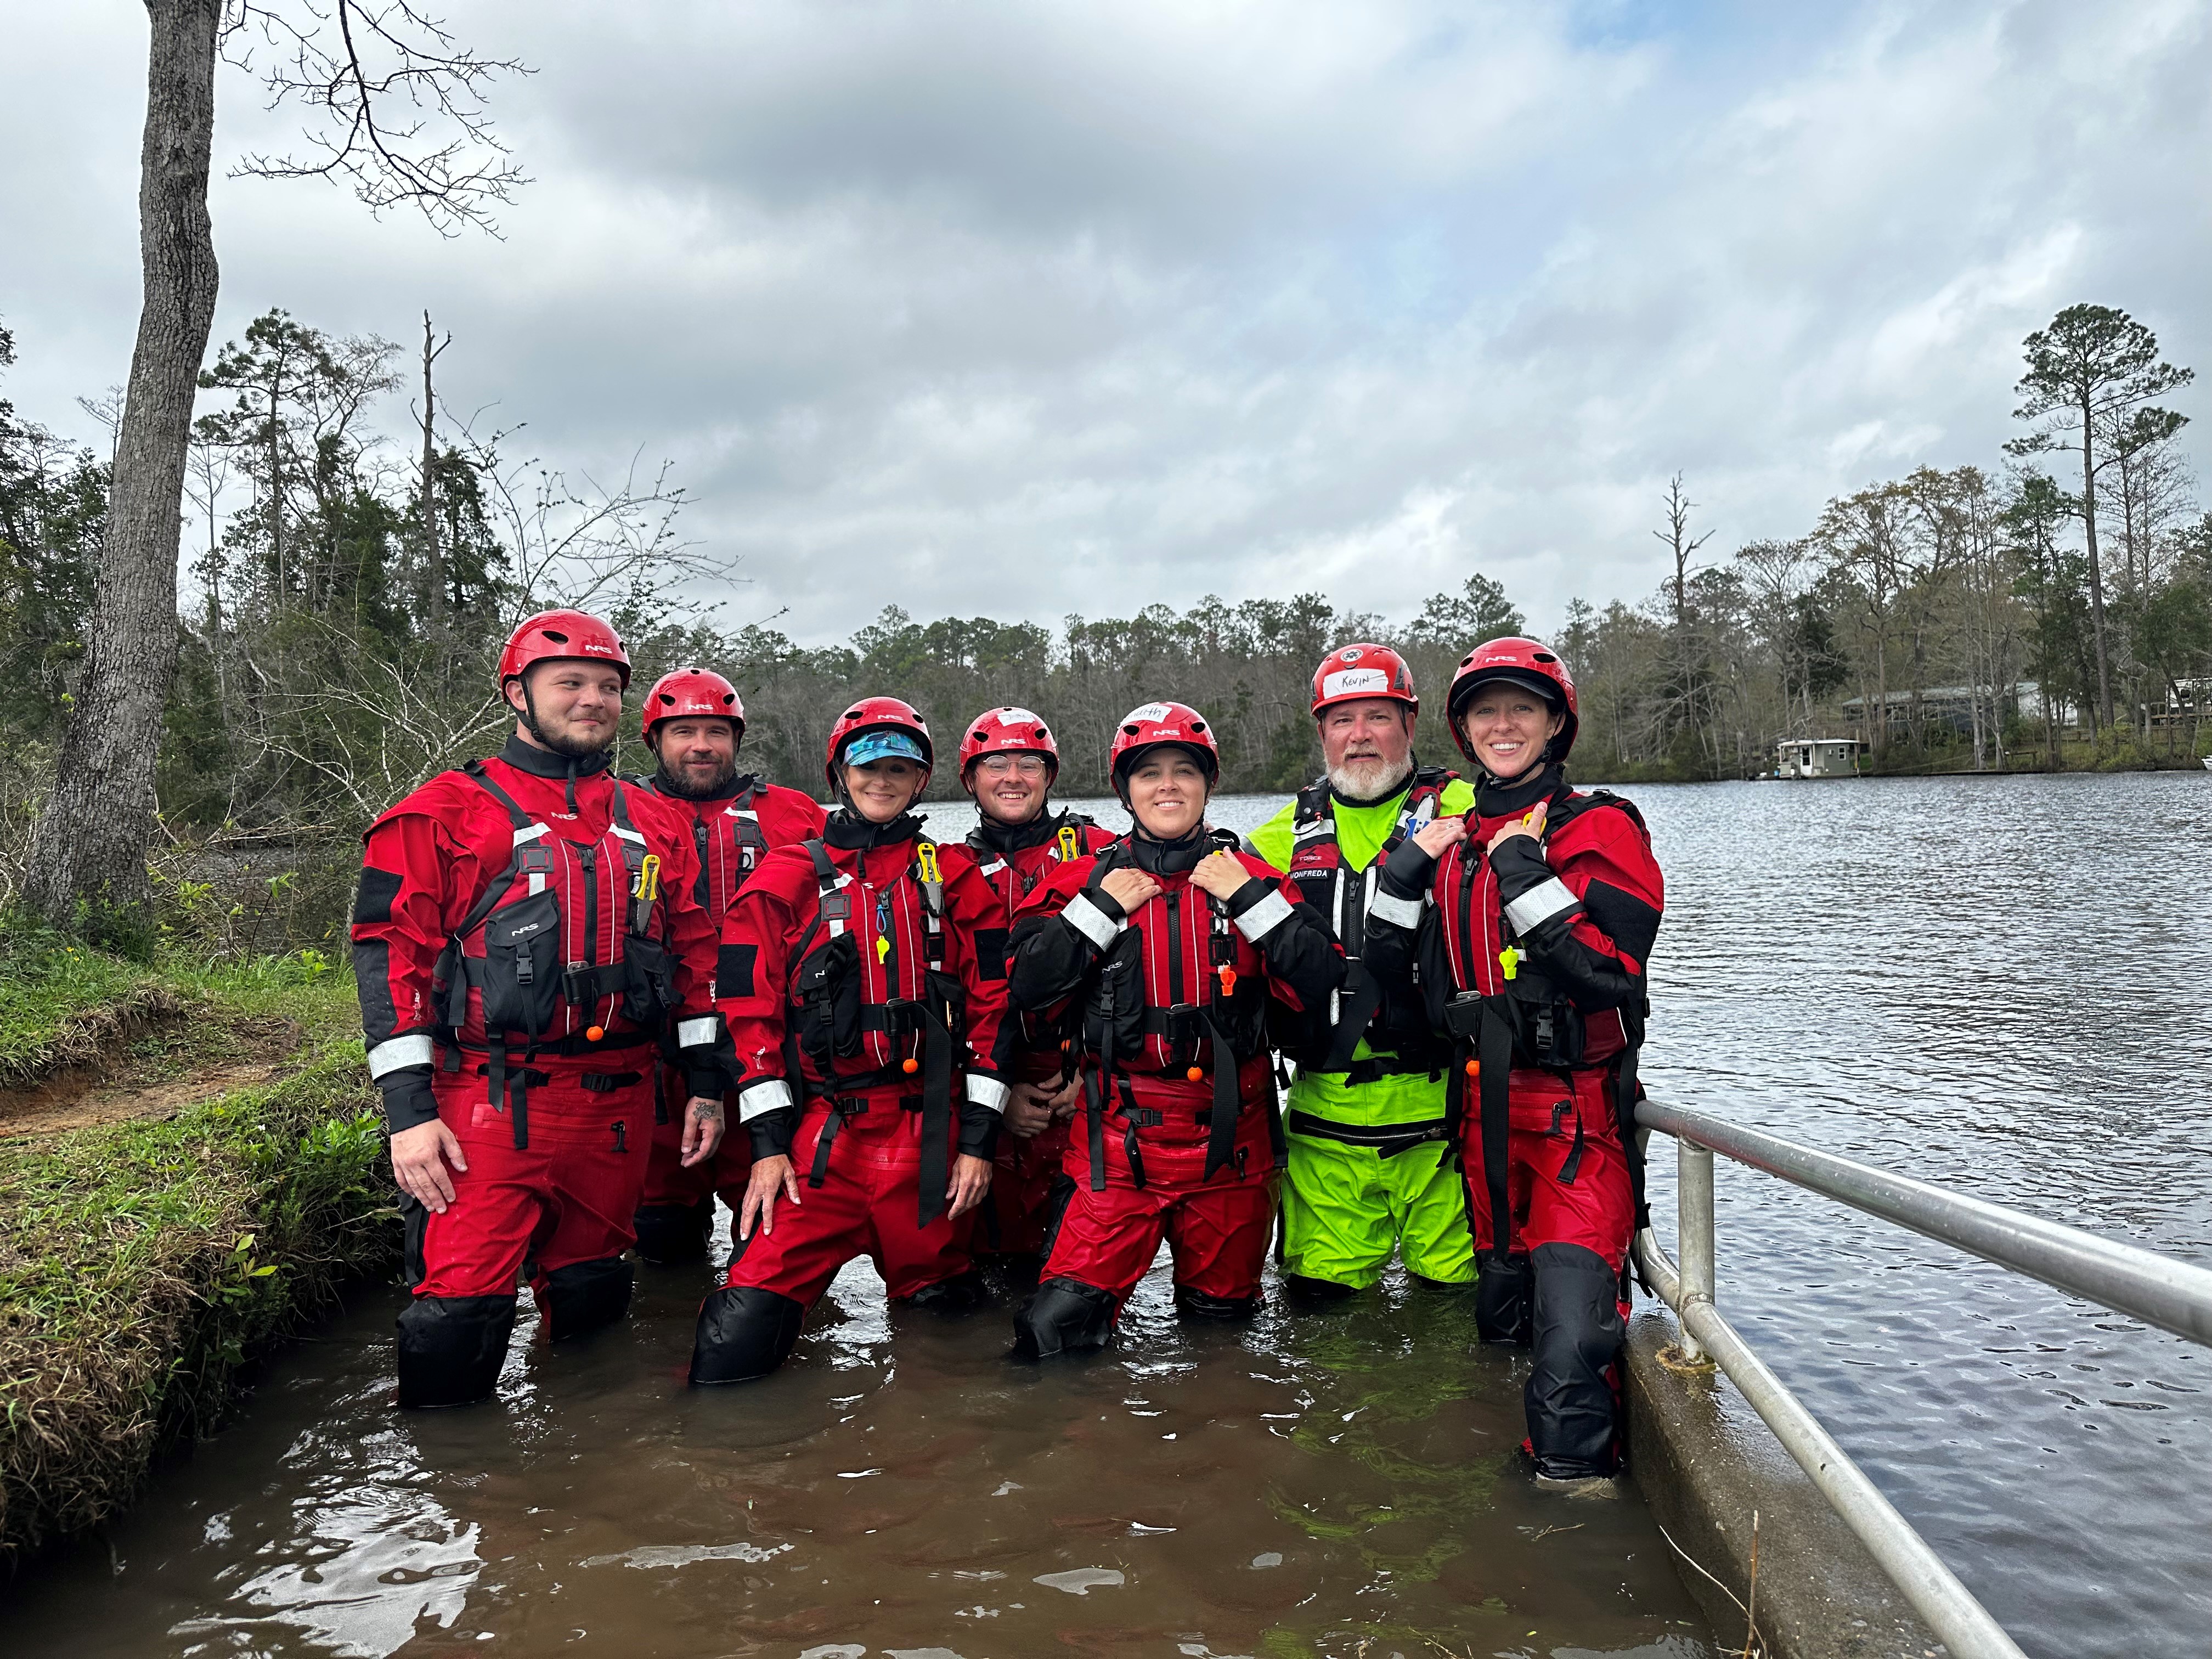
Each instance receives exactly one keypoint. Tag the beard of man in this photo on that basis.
(1370, 780)
(675, 783)
(569, 742)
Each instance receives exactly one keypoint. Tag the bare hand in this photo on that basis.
(1130, 889)
(771, 1175)
(1437, 834)
(1028, 1111)
(419, 1156)
(1219, 874)
(1065, 1103)
(971, 1179)
(703, 1128)
(1529, 823)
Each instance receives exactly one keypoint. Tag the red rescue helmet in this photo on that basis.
(1523, 662)
(552, 635)
(1353, 672)
(1153, 724)
(885, 714)
(691, 693)
(1007, 730)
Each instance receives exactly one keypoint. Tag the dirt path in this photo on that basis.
(157, 1076)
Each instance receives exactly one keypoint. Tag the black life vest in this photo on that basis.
(1324, 1040)
(549, 954)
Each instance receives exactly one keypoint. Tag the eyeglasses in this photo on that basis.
(998, 766)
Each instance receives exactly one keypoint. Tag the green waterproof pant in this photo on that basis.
(1345, 1209)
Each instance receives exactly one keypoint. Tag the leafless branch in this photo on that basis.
(351, 65)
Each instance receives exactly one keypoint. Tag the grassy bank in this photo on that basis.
(143, 1263)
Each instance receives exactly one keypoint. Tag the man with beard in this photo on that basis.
(527, 931)
(1372, 1164)
(1009, 760)
(694, 723)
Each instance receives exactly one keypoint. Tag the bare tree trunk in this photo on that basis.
(433, 563)
(89, 855)
(2096, 568)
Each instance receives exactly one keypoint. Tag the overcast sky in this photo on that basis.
(1022, 310)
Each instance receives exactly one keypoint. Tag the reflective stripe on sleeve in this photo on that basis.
(696, 1033)
(395, 1052)
(1398, 912)
(1263, 918)
(1540, 904)
(988, 1091)
(770, 1094)
(1093, 923)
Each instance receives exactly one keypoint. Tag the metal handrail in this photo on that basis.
(2174, 1296)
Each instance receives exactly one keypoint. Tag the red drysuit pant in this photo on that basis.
(1012, 1219)
(565, 1197)
(723, 1175)
(1219, 1230)
(1556, 1196)
(868, 1204)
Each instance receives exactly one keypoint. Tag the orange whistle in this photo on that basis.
(593, 1033)
(910, 1066)
(1195, 1073)
(1228, 981)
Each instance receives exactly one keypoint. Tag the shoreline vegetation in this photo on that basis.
(191, 1169)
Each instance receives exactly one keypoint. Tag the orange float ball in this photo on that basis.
(1474, 1068)
(1195, 1073)
(910, 1066)
(593, 1033)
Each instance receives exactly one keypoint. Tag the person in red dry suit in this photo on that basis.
(1158, 957)
(525, 934)
(694, 723)
(1008, 762)
(1530, 919)
(864, 1020)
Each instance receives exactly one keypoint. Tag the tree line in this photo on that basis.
(347, 588)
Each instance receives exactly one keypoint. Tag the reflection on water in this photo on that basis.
(1997, 985)
(1329, 1486)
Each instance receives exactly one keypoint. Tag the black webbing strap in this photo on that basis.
(1221, 1128)
(1130, 1148)
(1625, 1093)
(659, 1095)
(1373, 1066)
(839, 1111)
(1094, 1109)
(1494, 1050)
(509, 1092)
(936, 1109)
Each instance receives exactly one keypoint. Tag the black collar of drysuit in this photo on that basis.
(546, 763)
(849, 832)
(1493, 800)
(1156, 857)
(990, 836)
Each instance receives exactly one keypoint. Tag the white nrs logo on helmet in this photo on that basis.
(1150, 714)
(593, 645)
(1355, 682)
(1019, 717)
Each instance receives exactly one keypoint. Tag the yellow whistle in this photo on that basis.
(883, 948)
(1509, 960)
(648, 879)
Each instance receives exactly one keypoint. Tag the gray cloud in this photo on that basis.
(1027, 310)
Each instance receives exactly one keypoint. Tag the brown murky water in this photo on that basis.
(1341, 1483)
